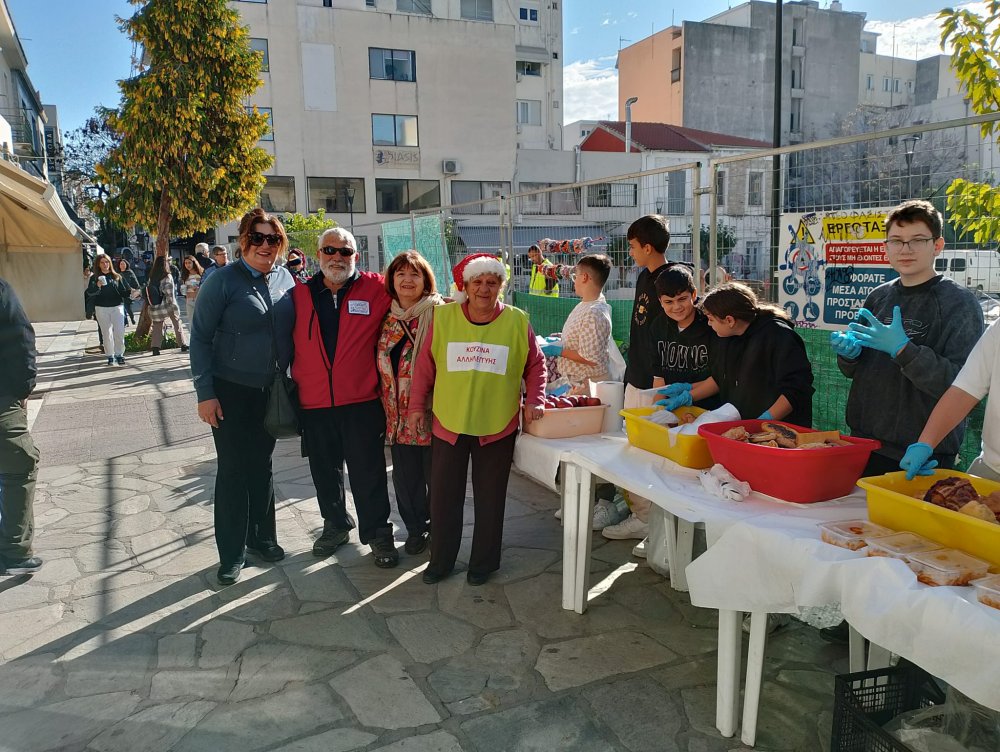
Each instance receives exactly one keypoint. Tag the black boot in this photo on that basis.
(156, 351)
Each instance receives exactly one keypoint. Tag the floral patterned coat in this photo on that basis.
(395, 389)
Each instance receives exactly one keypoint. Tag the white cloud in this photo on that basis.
(590, 90)
(915, 38)
(575, 30)
(607, 22)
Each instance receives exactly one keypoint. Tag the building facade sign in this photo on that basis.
(396, 157)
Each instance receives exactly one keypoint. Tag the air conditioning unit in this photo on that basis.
(451, 166)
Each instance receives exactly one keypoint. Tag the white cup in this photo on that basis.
(102, 279)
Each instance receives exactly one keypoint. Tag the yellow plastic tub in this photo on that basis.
(688, 451)
(891, 503)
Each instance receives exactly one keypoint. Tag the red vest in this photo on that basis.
(352, 377)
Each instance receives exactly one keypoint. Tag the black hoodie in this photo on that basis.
(17, 349)
(765, 362)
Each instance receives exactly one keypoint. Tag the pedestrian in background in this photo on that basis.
(220, 257)
(128, 276)
(202, 257)
(163, 304)
(190, 282)
(109, 292)
(241, 336)
(296, 265)
(18, 455)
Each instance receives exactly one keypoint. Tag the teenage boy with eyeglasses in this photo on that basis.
(908, 343)
(338, 317)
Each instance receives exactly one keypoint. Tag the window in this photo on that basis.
(720, 188)
(795, 122)
(278, 194)
(870, 82)
(477, 10)
(394, 130)
(260, 45)
(755, 249)
(755, 188)
(958, 264)
(676, 182)
(612, 194)
(369, 3)
(401, 196)
(269, 136)
(886, 83)
(331, 195)
(525, 68)
(895, 85)
(463, 191)
(392, 65)
(675, 65)
(563, 201)
(940, 265)
(414, 6)
(327, 3)
(528, 15)
(529, 112)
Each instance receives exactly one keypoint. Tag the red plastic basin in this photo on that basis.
(800, 475)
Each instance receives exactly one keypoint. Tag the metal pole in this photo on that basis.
(696, 221)
(776, 141)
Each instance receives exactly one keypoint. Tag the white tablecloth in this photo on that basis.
(777, 563)
(539, 458)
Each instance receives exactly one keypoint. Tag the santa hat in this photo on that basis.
(475, 265)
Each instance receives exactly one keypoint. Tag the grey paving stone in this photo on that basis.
(537, 604)
(438, 741)
(390, 591)
(429, 637)
(328, 628)
(268, 667)
(259, 724)
(153, 729)
(56, 571)
(587, 659)
(520, 563)
(223, 641)
(97, 667)
(16, 595)
(315, 579)
(27, 682)
(334, 740)
(176, 456)
(382, 695)
(485, 607)
(262, 604)
(18, 626)
(177, 651)
(696, 672)
(104, 582)
(644, 716)
(206, 684)
(66, 725)
(458, 680)
(699, 707)
(786, 719)
(132, 505)
(533, 727)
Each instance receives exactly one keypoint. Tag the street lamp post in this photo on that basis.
(349, 195)
(909, 143)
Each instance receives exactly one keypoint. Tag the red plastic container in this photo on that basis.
(800, 475)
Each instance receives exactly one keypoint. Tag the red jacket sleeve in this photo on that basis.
(534, 372)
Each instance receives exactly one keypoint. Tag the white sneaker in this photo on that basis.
(605, 514)
(633, 527)
(640, 549)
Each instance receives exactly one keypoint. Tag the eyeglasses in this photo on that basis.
(258, 238)
(329, 250)
(915, 244)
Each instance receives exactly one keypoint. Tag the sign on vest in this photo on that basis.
(477, 356)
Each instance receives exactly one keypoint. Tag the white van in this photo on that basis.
(977, 270)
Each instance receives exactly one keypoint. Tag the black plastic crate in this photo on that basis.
(867, 700)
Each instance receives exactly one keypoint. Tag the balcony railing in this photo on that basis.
(26, 139)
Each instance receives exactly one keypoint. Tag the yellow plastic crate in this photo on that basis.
(891, 503)
(688, 451)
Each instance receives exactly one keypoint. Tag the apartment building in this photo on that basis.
(22, 117)
(381, 107)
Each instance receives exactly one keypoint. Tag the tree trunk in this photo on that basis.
(163, 225)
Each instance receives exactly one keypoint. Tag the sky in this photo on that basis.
(76, 53)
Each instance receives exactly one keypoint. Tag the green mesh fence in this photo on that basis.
(829, 402)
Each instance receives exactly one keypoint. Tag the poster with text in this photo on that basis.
(831, 261)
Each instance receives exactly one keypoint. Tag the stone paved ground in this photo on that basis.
(124, 642)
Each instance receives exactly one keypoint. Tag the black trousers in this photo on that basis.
(449, 471)
(18, 472)
(244, 486)
(880, 464)
(355, 434)
(411, 475)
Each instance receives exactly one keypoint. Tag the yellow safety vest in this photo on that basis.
(537, 284)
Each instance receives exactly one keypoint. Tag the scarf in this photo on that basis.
(423, 311)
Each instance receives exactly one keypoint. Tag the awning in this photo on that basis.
(532, 54)
(32, 218)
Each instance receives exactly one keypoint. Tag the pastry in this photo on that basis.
(979, 511)
(737, 433)
(951, 493)
(761, 437)
(787, 437)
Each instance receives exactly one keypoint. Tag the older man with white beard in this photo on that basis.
(338, 316)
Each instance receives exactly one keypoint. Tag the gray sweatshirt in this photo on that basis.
(891, 398)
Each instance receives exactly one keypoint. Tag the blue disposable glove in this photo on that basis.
(766, 415)
(552, 349)
(876, 335)
(672, 390)
(917, 460)
(678, 400)
(845, 344)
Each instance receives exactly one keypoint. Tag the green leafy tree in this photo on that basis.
(188, 156)
(725, 241)
(304, 230)
(974, 207)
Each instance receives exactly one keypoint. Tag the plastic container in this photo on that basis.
(901, 546)
(891, 503)
(687, 451)
(565, 422)
(988, 590)
(800, 475)
(947, 567)
(851, 533)
(865, 701)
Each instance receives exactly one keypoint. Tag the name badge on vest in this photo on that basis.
(477, 356)
(359, 307)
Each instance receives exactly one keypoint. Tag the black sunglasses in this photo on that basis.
(329, 250)
(258, 238)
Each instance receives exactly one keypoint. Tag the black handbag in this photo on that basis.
(281, 416)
